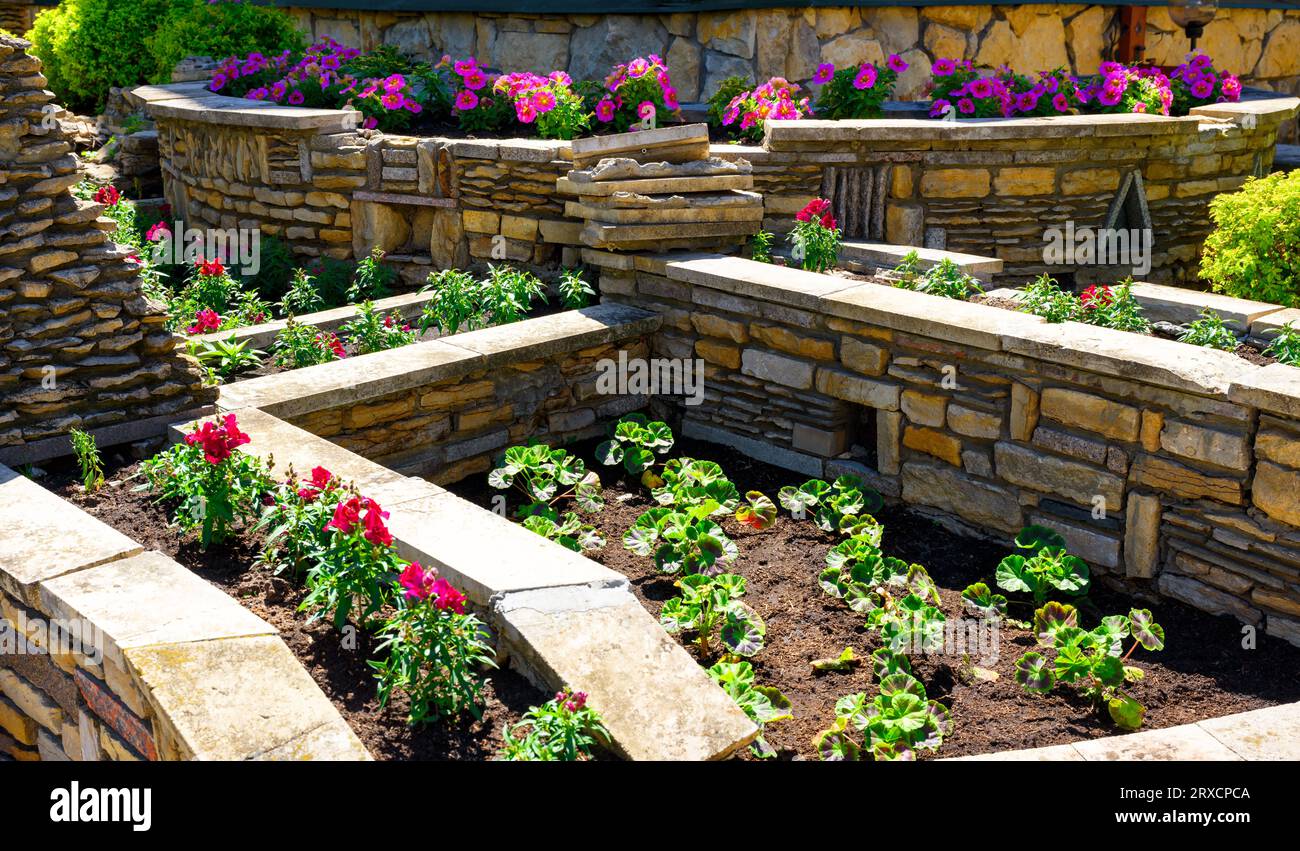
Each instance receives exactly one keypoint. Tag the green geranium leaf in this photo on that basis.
(1034, 674)
(1146, 631)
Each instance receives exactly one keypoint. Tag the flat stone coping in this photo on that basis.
(302, 391)
(1151, 360)
(565, 618)
(193, 102)
(408, 306)
(1179, 305)
(886, 255)
(1272, 733)
(221, 675)
(785, 135)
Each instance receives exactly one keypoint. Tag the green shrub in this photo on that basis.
(219, 30)
(90, 46)
(1254, 250)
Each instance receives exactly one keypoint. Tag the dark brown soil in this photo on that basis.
(340, 671)
(1203, 671)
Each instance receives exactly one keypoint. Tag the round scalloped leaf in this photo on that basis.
(1051, 618)
(759, 514)
(837, 745)
(1126, 712)
(1013, 575)
(1036, 537)
(641, 539)
(1075, 579)
(742, 630)
(1071, 663)
(1109, 670)
(861, 598)
(674, 617)
(761, 749)
(590, 538)
(794, 500)
(637, 460)
(588, 497)
(892, 752)
(669, 559)
(610, 452)
(899, 684)
(885, 662)
(659, 437)
(501, 478)
(852, 709)
(941, 716)
(1146, 631)
(780, 705)
(832, 582)
(1033, 673)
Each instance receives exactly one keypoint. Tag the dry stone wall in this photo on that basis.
(1170, 469)
(80, 345)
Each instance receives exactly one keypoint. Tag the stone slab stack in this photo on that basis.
(80, 345)
(660, 189)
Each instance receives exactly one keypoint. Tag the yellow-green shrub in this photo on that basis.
(1254, 250)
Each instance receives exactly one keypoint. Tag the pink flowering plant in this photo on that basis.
(1123, 88)
(352, 572)
(777, 100)
(816, 236)
(564, 729)
(296, 520)
(435, 650)
(1197, 83)
(639, 93)
(857, 91)
(476, 105)
(547, 104)
(212, 487)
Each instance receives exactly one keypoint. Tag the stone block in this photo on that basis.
(924, 408)
(971, 422)
(1077, 482)
(955, 183)
(31, 701)
(1097, 548)
(1157, 473)
(889, 426)
(1223, 449)
(1188, 742)
(863, 357)
(1093, 413)
(818, 441)
(1142, 536)
(1271, 733)
(950, 490)
(1206, 598)
(1276, 491)
(1024, 411)
(778, 368)
(882, 395)
(933, 442)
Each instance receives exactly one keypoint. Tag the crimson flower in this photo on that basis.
(448, 597)
(816, 208)
(218, 440)
(346, 516)
(210, 268)
(416, 582)
(204, 321)
(320, 480)
(1094, 297)
(376, 532)
(107, 195)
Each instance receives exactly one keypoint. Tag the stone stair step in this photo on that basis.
(655, 186)
(622, 168)
(683, 215)
(624, 236)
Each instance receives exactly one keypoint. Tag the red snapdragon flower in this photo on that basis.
(419, 584)
(321, 479)
(218, 440)
(817, 209)
(210, 268)
(1094, 297)
(347, 515)
(107, 195)
(376, 532)
(204, 322)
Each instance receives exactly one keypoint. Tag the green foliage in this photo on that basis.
(816, 243)
(727, 91)
(710, 606)
(370, 331)
(545, 476)
(760, 246)
(434, 657)
(1092, 661)
(227, 357)
(296, 518)
(1049, 569)
(1254, 250)
(635, 443)
(945, 278)
(840, 98)
(301, 295)
(1209, 331)
(575, 292)
(461, 302)
(372, 279)
(688, 482)
(218, 30)
(893, 725)
(910, 625)
(88, 459)
(1285, 346)
(763, 704)
(1044, 298)
(299, 345)
(845, 506)
(563, 729)
(276, 275)
(682, 541)
(980, 601)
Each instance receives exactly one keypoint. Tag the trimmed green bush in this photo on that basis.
(1254, 250)
(219, 30)
(90, 46)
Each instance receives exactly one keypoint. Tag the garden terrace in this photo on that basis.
(962, 186)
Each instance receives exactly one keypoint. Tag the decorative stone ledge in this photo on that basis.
(884, 255)
(408, 306)
(193, 102)
(1271, 734)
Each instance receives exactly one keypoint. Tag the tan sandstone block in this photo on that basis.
(1090, 412)
(933, 442)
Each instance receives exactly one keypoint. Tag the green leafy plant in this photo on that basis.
(299, 345)
(1209, 331)
(227, 357)
(1044, 298)
(370, 331)
(763, 704)
(945, 279)
(979, 600)
(435, 650)
(815, 237)
(296, 521)
(858, 91)
(909, 625)
(575, 292)
(508, 294)
(276, 271)
(212, 486)
(545, 476)
(893, 725)
(301, 296)
(861, 575)
(1092, 661)
(1285, 345)
(1113, 307)
(372, 278)
(682, 541)
(709, 607)
(845, 506)
(687, 481)
(88, 459)
(727, 91)
(218, 30)
(1254, 250)
(1049, 569)
(760, 246)
(563, 729)
(635, 443)
(355, 565)
(459, 301)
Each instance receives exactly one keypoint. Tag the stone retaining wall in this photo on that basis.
(446, 408)
(702, 49)
(108, 652)
(80, 345)
(996, 187)
(1169, 468)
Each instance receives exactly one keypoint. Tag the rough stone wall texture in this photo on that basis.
(704, 48)
(1197, 489)
(455, 427)
(996, 195)
(80, 346)
(16, 16)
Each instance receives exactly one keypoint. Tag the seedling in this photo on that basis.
(763, 704)
(636, 442)
(1050, 568)
(980, 601)
(92, 466)
(546, 476)
(709, 606)
(844, 506)
(896, 723)
(684, 541)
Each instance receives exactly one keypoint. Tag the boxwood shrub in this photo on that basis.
(1254, 250)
